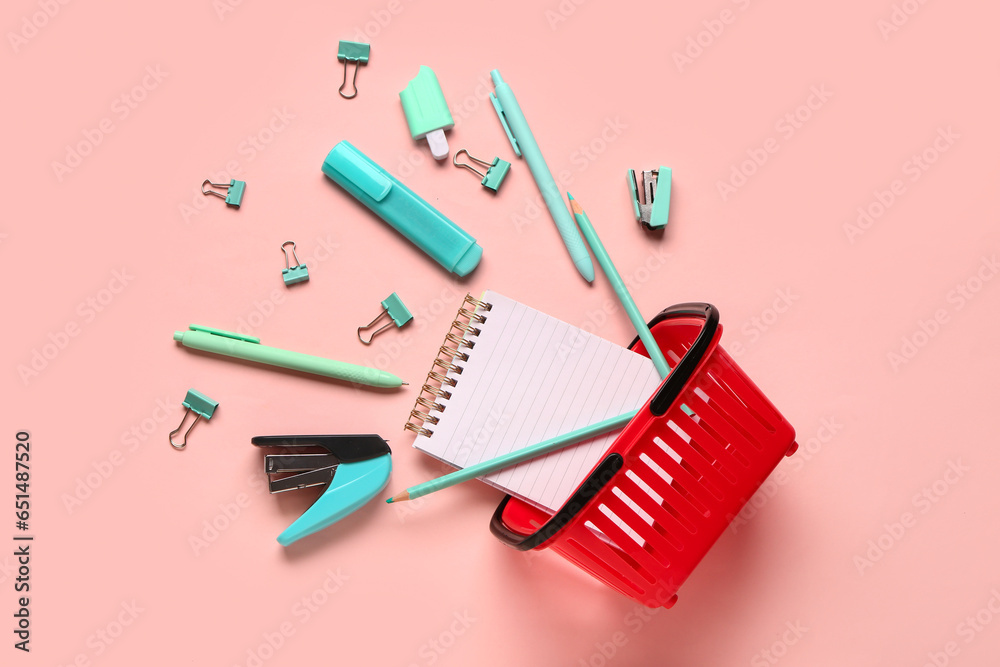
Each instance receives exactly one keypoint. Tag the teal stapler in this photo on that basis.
(353, 469)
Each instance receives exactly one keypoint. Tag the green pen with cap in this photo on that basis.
(236, 345)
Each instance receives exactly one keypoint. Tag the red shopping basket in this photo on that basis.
(674, 478)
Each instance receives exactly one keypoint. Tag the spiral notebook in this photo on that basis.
(509, 376)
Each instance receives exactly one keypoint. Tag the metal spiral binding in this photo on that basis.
(449, 353)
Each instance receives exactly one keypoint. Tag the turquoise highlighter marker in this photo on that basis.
(523, 141)
(428, 229)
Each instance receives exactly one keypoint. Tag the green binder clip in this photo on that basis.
(427, 111)
(352, 52)
(496, 171)
(397, 312)
(202, 406)
(298, 273)
(651, 203)
(234, 191)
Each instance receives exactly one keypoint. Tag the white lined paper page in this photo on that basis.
(531, 377)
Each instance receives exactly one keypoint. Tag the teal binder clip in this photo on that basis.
(427, 111)
(352, 52)
(293, 274)
(651, 203)
(234, 191)
(496, 171)
(447, 243)
(397, 312)
(202, 406)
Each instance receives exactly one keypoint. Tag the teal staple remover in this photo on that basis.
(352, 469)
(651, 201)
(447, 243)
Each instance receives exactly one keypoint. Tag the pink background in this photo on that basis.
(841, 546)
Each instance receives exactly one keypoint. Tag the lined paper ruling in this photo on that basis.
(529, 377)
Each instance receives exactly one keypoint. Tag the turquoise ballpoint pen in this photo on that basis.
(249, 348)
(523, 142)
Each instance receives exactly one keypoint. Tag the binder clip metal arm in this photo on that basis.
(352, 468)
(352, 52)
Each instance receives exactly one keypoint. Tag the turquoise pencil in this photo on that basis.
(511, 458)
(645, 335)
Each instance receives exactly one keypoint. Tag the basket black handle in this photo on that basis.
(606, 470)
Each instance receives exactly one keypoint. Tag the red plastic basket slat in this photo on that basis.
(651, 541)
(735, 442)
